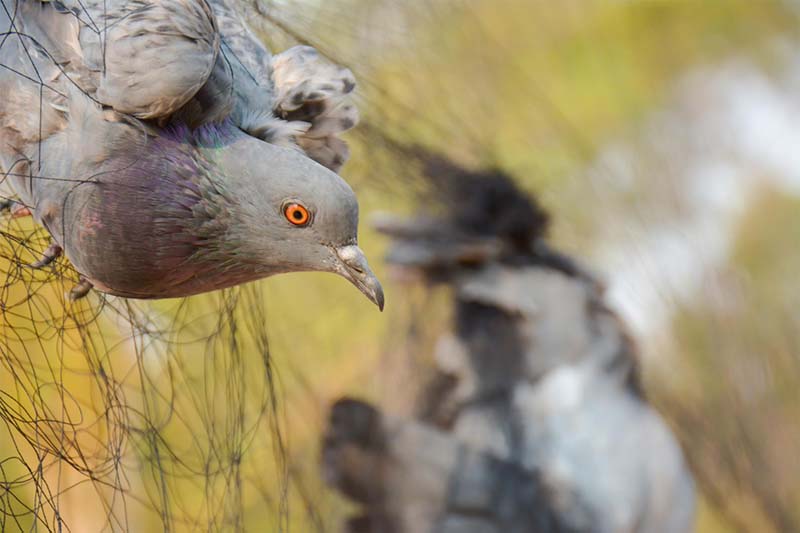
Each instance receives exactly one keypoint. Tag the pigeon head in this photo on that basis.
(287, 213)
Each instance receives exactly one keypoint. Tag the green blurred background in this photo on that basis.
(663, 137)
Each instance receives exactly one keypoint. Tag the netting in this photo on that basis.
(116, 412)
(126, 415)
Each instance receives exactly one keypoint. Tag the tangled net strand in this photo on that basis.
(148, 410)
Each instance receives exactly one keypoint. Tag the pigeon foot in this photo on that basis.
(80, 290)
(49, 255)
(16, 209)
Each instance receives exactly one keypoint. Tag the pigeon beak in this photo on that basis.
(353, 266)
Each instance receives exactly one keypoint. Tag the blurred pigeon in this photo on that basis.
(535, 420)
(168, 153)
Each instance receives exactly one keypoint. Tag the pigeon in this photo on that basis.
(168, 153)
(535, 419)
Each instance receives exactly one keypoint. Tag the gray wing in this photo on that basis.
(295, 98)
(242, 47)
(145, 58)
(310, 89)
(80, 68)
(33, 75)
(152, 56)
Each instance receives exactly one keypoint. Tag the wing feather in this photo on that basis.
(296, 98)
(191, 61)
(145, 58)
(153, 55)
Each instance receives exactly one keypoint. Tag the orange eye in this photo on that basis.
(296, 214)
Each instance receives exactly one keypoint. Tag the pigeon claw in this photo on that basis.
(49, 255)
(80, 290)
(19, 211)
(16, 209)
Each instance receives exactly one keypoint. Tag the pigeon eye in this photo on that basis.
(296, 214)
